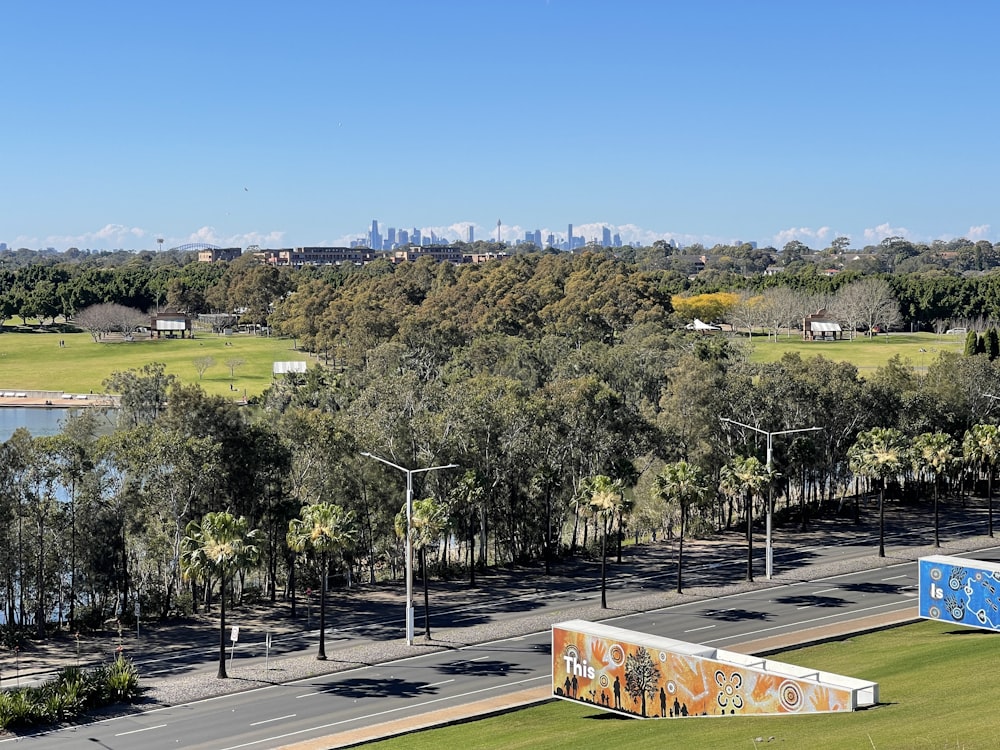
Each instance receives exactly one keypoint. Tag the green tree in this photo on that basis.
(681, 483)
(981, 448)
(746, 475)
(216, 547)
(322, 529)
(992, 344)
(879, 454)
(606, 500)
(971, 342)
(934, 454)
(428, 522)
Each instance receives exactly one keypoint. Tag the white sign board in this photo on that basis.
(281, 368)
(235, 634)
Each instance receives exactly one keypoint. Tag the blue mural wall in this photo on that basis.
(954, 589)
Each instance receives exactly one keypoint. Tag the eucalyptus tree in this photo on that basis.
(981, 448)
(216, 547)
(72, 451)
(428, 523)
(141, 392)
(880, 454)
(683, 484)
(322, 529)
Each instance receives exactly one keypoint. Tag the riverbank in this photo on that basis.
(62, 399)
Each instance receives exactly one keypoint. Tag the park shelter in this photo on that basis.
(821, 327)
(173, 324)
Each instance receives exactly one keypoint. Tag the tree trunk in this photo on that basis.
(749, 537)
(222, 626)
(324, 567)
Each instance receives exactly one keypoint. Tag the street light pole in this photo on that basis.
(769, 549)
(409, 535)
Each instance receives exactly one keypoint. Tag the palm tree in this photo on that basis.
(746, 475)
(219, 546)
(322, 529)
(934, 453)
(879, 453)
(606, 501)
(981, 447)
(682, 483)
(428, 522)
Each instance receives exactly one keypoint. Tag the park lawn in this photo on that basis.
(866, 354)
(938, 685)
(36, 361)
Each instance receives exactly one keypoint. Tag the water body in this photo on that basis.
(40, 421)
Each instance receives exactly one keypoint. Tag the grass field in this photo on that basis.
(938, 686)
(866, 354)
(36, 361)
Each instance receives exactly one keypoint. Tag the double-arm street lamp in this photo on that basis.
(409, 532)
(769, 549)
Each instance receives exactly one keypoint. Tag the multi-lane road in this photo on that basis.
(277, 715)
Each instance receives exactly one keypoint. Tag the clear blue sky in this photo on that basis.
(297, 123)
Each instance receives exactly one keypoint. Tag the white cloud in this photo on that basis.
(875, 235)
(814, 238)
(980, 232)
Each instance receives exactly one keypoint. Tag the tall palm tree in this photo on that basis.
(322, 529)
(606, 502)
(981, 447)
(934, 454)
(879, 454)
(218, 546)
(745, 475)
(681, 483)
(428, 523)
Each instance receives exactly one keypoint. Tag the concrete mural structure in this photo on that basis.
(954, 589)
(650, 676)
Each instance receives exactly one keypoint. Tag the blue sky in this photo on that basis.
(297, 123)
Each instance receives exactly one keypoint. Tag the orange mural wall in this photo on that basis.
(653, 677)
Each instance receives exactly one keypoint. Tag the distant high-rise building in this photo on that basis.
(606, 236)
(550, 241)
(617, 240)
(392, 237)
(569, 237)
(498, 231)
(404, 237)
(470, 240)
(374, 238)
(415, 236)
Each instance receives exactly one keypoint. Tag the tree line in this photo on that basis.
(560, 386)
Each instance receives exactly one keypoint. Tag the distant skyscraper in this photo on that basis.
(569, 237)
(606, 236)
(470, 240)
(392, 236)
(617, 240)
(374, 239)
(404, 237)
(415, 236)
(498, 231)
(550, 241)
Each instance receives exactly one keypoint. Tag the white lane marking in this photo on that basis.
(704, 627)
(276, 718)
(443, 682)
(479, 658)
(136, 731)
(893, 578)
(827, 591)
(273, 740)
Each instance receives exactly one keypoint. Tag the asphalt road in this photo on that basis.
(276, 715)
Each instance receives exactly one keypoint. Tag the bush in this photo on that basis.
(69, 694)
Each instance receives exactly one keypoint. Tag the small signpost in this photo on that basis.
(234, 636)
(267, 652)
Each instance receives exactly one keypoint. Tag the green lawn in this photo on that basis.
(867, 354)
(937, 684)
(36, 361)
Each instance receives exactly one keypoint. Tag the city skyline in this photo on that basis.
(711, 123)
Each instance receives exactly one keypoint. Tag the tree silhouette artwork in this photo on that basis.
(642, 677)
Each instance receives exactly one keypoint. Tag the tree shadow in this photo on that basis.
(806, 600)
(392, 687)
(735, 615)
(872, 588)
(483, 668)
